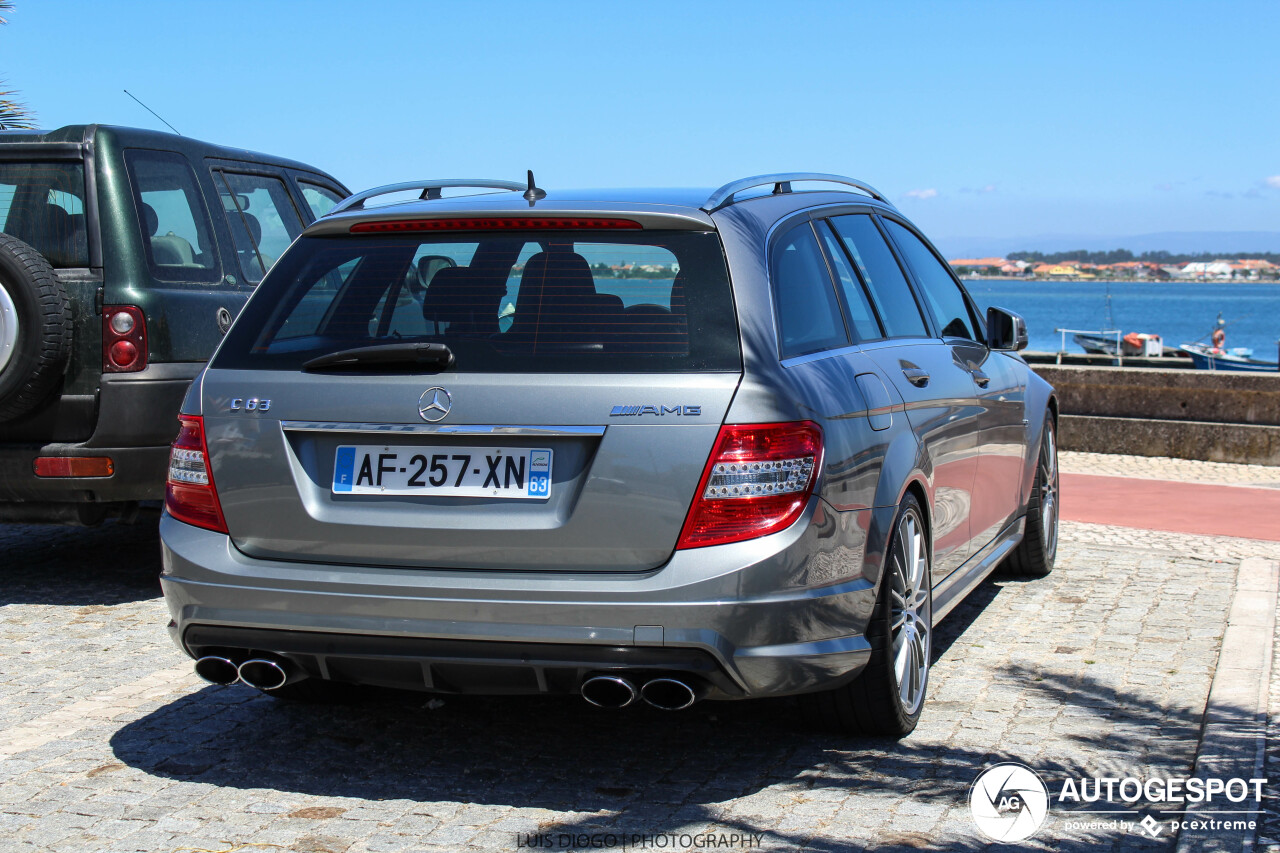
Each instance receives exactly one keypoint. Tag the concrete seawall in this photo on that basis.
(1189, 414)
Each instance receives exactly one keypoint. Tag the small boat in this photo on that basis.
(1134, 343)
(1102, 343)
(1206, 357)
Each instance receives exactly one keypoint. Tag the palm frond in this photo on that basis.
(14, 115)
(5, 6)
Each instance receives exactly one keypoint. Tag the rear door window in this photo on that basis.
(175, 227)
(856, 301)
(951, 311)
(878, 267)
(809, 318)
(42, 204)
(507, 302)
(320, 199)
(262, 219)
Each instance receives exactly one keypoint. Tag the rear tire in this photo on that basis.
(1034, 556)
(35, 329)
(888, 696)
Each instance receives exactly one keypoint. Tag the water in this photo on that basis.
(1179, 312)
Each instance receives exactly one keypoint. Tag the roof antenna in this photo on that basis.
(153, 112)
(534, 194)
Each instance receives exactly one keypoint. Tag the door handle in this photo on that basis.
(981, 378)
(916, 376)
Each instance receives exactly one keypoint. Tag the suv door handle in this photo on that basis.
(981, 378)
(916, 376)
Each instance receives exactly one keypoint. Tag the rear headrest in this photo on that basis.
(150, 222)
(255, 228)
(555, 276)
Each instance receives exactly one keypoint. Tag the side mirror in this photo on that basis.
(1005, 330)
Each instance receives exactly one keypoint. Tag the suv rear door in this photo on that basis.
(611, 354)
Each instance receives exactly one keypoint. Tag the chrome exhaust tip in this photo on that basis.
(217, 670)
(669, 694)
(609, 691)
(264, 674)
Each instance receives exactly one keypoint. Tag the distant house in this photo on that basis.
(1207, 269)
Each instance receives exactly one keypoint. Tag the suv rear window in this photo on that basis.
(504, 302)
(42, 204)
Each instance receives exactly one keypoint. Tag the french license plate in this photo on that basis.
(463, 472)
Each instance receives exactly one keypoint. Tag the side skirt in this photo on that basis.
(961, 582)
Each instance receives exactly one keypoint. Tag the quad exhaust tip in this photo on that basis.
(217, 670)
(669, 694)
(609, 691)
(263, 674)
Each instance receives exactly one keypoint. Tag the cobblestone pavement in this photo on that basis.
(109, 743)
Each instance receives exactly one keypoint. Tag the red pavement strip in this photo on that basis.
(1176, 507)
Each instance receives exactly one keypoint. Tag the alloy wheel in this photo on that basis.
(1049, 492)
(910, 611)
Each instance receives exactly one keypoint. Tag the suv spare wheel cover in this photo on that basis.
(35, 328)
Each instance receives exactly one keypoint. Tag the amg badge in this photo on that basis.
(660, 411)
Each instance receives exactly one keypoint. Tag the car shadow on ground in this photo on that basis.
(48, 564)
(638, 770)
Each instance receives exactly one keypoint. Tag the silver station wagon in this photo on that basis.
(643, 446)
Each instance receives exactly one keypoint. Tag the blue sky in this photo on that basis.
(980, 119)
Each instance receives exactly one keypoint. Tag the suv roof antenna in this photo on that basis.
(153, 112)
(534, 194)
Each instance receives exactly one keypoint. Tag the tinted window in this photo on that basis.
(941, 291)
(879, 269)
(42, 204)
(809, 317)
(861, 315)
(262, 219)
(652, 301)
(171, 211)
(320, 199)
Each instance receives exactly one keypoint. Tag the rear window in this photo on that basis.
(42, 204)
(571, 302)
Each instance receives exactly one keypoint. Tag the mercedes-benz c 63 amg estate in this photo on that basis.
(642, 446)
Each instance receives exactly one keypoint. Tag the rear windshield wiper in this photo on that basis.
(432, 357)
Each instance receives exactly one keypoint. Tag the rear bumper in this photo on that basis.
(137, 420)
(782, 614)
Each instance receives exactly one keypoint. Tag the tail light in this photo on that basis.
(757, 482)
(190, 495)
(124, 339)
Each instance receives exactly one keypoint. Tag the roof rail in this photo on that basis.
(724, 196)
(430, 190)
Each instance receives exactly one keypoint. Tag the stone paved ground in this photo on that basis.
(108, 743)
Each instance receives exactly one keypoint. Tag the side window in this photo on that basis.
(320, 199)
(41, 203)
(879, 269)
(262, 219)
(861, 314)
(941, 291)
(809, 317)
(171, 210)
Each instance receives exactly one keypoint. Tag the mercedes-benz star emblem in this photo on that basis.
(434, 404)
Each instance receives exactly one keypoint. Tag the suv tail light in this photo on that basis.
(124, 339)
(190, 495)
(757, 482)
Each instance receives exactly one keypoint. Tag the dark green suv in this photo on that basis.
(124, 256)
